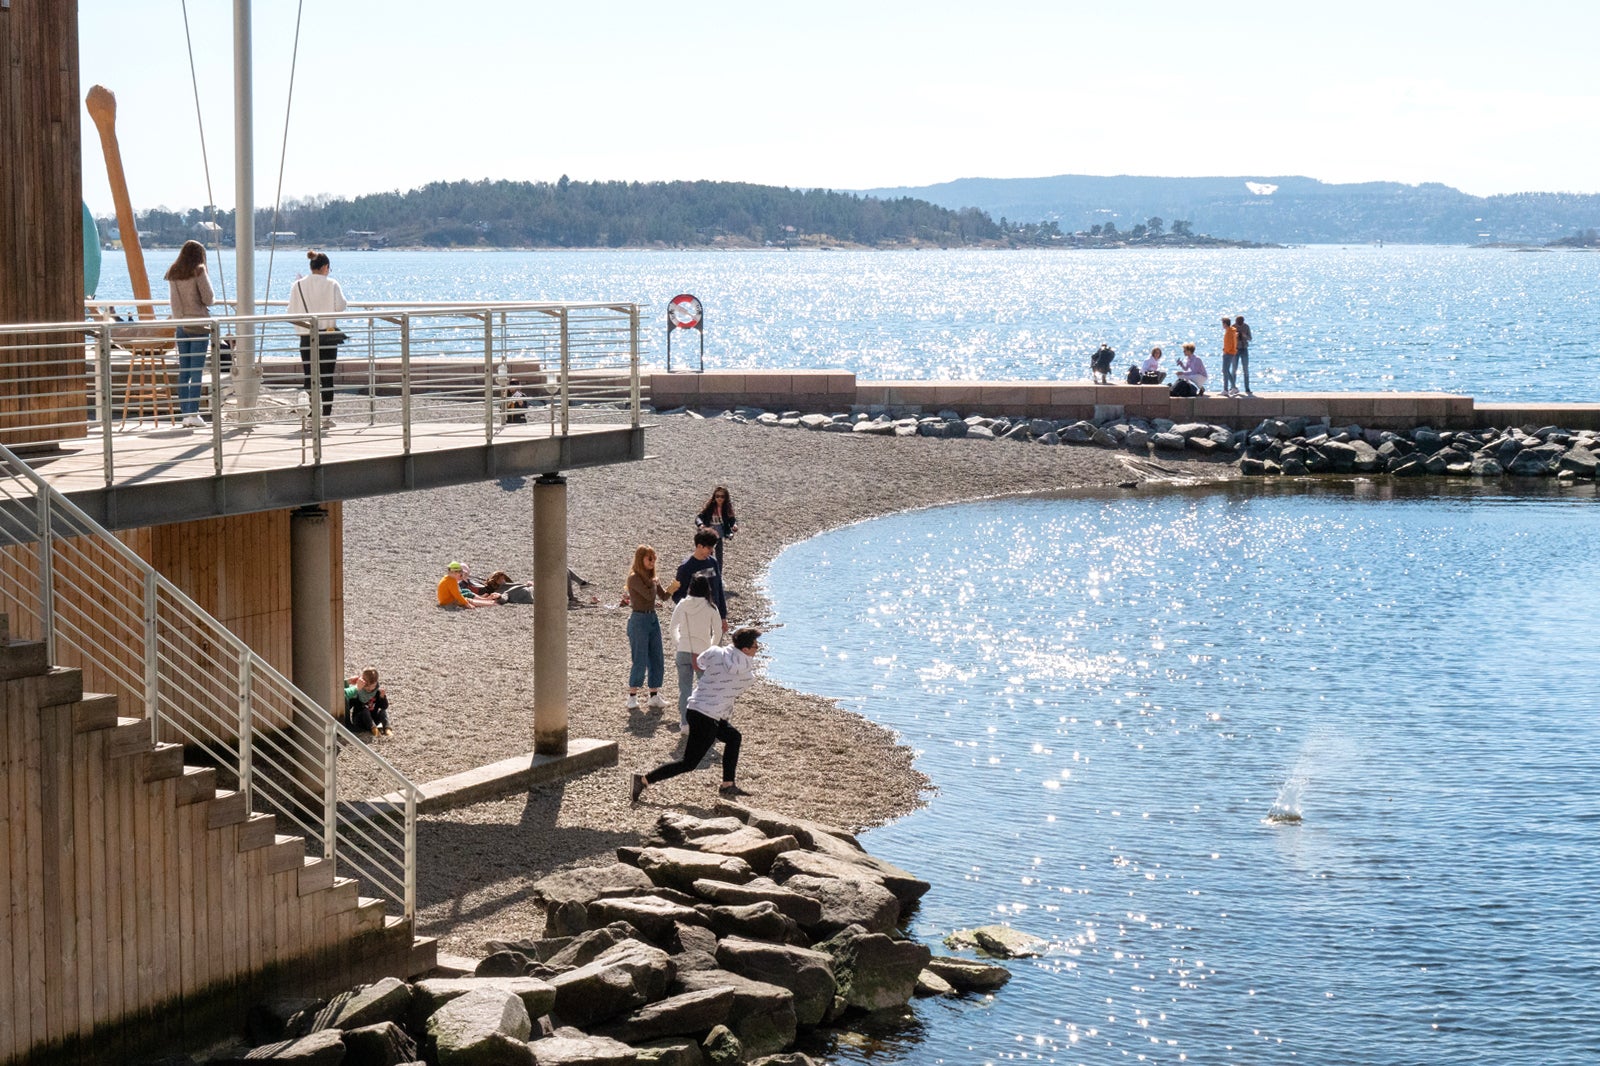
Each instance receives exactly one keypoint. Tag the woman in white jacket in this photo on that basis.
(695, 625)
(318, 294)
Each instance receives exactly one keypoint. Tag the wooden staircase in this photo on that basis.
(140, 902)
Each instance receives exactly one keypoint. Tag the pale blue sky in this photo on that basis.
(1486, 97)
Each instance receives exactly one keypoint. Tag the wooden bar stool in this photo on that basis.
(147, 383)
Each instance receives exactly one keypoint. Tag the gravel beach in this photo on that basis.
(460, 681)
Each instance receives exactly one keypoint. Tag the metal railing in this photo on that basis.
(400, 366)
(133, 633)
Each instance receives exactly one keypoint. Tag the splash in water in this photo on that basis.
(1286, 808)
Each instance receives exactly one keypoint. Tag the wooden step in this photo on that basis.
(258, 831)
(163, 761)
(23, 658)
(316, 875)
(94, 711)
(343, 896)
(369, 914)
(227, 808)
(62, 684)
(286, 853)
(130, 736)
(199, 783)
(424, 953)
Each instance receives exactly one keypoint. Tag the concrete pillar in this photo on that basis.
(311, 571)
(550, 615)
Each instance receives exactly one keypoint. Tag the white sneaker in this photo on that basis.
(633, 702)
(194, 421)
(327, 423)
(655, 703)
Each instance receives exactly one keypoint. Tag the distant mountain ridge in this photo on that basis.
(1289, 209)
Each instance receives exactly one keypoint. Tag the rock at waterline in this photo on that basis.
(1001, 941)
(969, 975)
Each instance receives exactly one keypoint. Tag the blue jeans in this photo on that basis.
(1230, 372)
(191, 361)
(1244, 369)
(686, 675)
(644, 645)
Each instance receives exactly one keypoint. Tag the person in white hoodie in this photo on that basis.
(726, 672)
(696, 624)
(318, 294)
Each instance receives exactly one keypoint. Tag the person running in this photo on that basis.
(1230, 358)
(727, 672)
(1244, 353)
(642, 593)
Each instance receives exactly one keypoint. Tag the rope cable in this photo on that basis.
(205, 156)
(283, 151)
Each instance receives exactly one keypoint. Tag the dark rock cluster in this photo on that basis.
(1293, 446)
(719, 941)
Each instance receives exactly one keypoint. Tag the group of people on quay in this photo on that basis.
(1192, 377)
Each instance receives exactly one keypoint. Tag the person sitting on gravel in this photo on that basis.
(366, 704)
(453, 592)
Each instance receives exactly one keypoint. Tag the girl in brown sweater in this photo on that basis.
(642, 593)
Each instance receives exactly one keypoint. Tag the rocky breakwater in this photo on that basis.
(1292, 446)
(724, 939)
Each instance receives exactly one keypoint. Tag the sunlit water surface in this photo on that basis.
(1497, 324)
(1281, 776)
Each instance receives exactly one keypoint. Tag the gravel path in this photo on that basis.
(460, 682)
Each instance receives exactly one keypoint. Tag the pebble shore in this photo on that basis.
(460, 684)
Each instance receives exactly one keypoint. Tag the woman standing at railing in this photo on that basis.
(189, 290)
(318, 294)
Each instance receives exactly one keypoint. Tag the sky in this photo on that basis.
(393, 94)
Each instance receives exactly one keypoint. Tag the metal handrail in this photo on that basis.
(413, 364)
(101, 608)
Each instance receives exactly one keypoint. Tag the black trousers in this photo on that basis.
(703, 732)
(359, 720)
(327, 354)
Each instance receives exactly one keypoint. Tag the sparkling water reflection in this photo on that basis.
(1494, 323)
(1115, 696)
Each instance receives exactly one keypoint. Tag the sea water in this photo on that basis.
(1283, 774)
(1497, 324)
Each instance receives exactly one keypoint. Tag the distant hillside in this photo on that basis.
(1287, 210)
(573, 214)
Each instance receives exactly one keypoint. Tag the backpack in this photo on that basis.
(1134, 376)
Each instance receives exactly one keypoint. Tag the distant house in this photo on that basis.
(283, 235)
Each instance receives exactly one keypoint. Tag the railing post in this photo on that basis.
(566, 377)
(330, 786)
(372, 372)
(405, 383)
(247, 733)
(488, 377)
(633, 361)
(411, 853)
(314, 412)
(152, 711)
(47, 571)
(102, 375)
(214, 364)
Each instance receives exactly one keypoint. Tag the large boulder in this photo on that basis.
(1579, 460)
(591, 883)
(680, 868)
(776, 825)
(620, 980)
(572, 1047)
(969, 975)
(1001, 941)
(751, 845)
(324, 1047)
(676, 1051)
(690, 1013)
(590, 945)
(846, 903)
(762, 920)
(802, 908)
(762, 1015)
(488, 1027)
(675, 827)
(428, 996)
(906, 887)
(805, 972)
(651, 915)
(873, 971)
(384, 1044)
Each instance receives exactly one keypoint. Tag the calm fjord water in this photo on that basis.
(1493, 323)
(1113, 695)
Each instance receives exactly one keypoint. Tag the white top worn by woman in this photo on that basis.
(316, 294)
(695, 625)
(728, 672)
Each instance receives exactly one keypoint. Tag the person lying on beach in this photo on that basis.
(452, 593)
(509, 591)
(725, 672)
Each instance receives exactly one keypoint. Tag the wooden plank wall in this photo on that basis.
(41, 215)
(237, 569)
(129, 896)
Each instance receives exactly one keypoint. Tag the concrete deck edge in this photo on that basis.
(516, 774)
